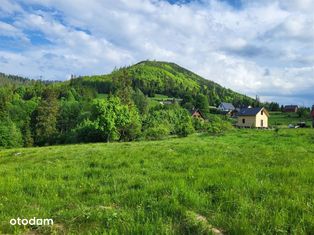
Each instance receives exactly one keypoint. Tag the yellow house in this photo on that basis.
(253, 117)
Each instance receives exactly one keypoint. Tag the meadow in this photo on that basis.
(282, 120)
(242, 182)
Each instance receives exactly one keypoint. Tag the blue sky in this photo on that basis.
(260, 47)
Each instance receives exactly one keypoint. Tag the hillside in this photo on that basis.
(244, 182)
(154, 77)
(12, 79)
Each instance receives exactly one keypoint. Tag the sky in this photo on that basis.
(255, 47)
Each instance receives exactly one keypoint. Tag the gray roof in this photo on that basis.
(249, 111)
(228, 106)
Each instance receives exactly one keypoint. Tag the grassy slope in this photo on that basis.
(246, 182)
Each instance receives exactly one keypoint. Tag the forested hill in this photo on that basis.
(154, 77)
(8, 79)
(12, 79)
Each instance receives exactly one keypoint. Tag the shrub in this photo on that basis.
(217, 125)
(10, 135)
(177, 119)
(199, 124)
(158, 131)
(184, 126)
(88, 131)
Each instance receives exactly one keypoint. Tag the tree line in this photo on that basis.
(39, 114)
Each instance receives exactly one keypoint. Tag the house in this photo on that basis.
(195, 113)
(226, 107)
(290, 109)
(253, 117)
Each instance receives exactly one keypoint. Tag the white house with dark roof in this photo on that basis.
(226, 107)
(253, 117)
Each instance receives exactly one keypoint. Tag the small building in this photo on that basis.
(290, 109)
(253, 117)
(195, 113)
(226, 107)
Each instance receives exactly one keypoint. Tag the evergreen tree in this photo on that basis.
(201, 103)
(123, 87)
(44, 118)
(140, 100)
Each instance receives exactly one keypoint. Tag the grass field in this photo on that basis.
(243, 182)
(282, 120)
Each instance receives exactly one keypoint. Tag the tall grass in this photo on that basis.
(244, 182)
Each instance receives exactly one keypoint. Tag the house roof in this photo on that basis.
(249, 111)
(227, 106)
(291, 106)
(193, 111)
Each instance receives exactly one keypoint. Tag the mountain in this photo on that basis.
(156, 77)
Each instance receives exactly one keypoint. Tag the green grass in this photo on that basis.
(244, 182)
(284, 119)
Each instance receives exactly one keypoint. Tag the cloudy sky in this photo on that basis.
(257, 47)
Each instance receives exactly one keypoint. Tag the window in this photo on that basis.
(243, 120)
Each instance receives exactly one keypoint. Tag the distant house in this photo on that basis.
(290, 109)
(195, 113)
(226, 107)
(253, 117)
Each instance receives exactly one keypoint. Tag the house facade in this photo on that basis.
(291, 108)
(253, 117)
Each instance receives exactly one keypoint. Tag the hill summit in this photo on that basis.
(157, 77)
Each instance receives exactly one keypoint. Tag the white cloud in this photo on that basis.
(232, 47)
(8, 7)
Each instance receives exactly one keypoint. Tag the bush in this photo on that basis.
(184, 126)
(157, 132)
(177, 119)
(88, 131)
(10, 135)
(216, 125)
(199, 124)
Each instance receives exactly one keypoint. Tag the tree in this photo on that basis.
(201, 103)
(303, 112)
(44, 118)
(123, 86)
(10, 135)
(68, 117)
(184, 126)
(140, 100)
(109, 120)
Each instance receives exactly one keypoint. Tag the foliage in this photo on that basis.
(49, 113)
(108, 120)
(175, 118)
(217, 125)
(140, 100)
(44, 118)
(10, 135)
(154, 77)
(303, 112)
(201, 103)
(157, 131)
